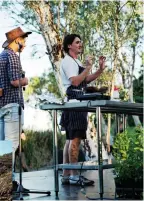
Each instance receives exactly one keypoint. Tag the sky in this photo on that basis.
(5, 147)
(32, 65)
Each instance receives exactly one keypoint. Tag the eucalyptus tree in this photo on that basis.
(117, 23)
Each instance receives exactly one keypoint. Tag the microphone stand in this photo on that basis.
(21, 190)
(20, 128)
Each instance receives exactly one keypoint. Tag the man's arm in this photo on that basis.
(76, 80)
(93, 76)
(13, 71)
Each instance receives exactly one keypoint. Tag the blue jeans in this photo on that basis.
(9, 127)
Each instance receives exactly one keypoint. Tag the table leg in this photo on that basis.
(99, 142)
(55, 152)
(124, 122)
(100, 159)
(117, 124)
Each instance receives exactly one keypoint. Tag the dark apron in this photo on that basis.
(72, 120)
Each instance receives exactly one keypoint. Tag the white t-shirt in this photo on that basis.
(69, 68)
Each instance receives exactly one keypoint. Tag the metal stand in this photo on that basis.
(117, 123)
(107, 107)
(99, 142)
(20, 114)
(100, 159)
(55, 153)
(118, 120)
(124, 122)
(21, 191)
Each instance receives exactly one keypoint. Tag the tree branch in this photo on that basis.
(128, 20)
(123, 6)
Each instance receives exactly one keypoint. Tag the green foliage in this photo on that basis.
(124, 94)
(138, 89)
(47, 81)
(38, 148)
(21, 14)
(128, 153)
(52, 85)
(104, 79)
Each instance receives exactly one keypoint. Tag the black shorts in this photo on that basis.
(71, 134)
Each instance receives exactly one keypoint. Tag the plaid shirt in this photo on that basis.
(9, 71)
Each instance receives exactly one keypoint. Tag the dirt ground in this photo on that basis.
(6, 177)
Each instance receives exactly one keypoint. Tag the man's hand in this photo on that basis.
(93, 76)
(89, 61)
(23, 82)
(102, 62)
(26, 80)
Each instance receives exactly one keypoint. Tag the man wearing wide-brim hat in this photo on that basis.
(12, 80)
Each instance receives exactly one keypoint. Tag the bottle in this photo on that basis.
(116, 93)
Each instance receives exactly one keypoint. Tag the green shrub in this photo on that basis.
(38, 148)
(128, 153)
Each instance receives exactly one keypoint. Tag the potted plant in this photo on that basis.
(128, 154)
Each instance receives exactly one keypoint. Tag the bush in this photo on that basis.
(128, 153)
(38, 148)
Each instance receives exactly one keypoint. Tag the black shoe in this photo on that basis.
(65, 180)
(86, 182)
(16, 187)
(81, 181)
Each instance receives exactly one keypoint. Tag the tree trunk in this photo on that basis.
(135, 118)
(50, 34)
(116, 38)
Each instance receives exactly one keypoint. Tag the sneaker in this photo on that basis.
(16, 187)
(65, 180)
(80, 181)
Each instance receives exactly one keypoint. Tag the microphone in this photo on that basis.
(20, 46)
(23, 76)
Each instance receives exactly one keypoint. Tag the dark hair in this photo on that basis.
(68, 40)
(25, 36)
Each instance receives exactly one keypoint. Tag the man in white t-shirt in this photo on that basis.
(74, 78)
(69, 68)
